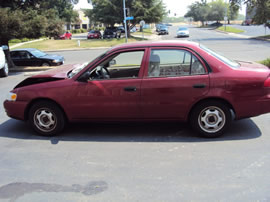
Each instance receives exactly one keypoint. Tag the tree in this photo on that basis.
(32, 19)
(233, 12)
(198, 11)
(217, 10)
(261, 8)
(110, 12)
(212, 11)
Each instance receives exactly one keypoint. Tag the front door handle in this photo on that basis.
(130, 88)
(199, 85)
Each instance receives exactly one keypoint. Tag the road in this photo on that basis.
(136, 161)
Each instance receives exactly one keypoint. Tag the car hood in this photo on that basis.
(52, 57)
(58, 73)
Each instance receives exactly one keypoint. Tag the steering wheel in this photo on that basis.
(103, 73)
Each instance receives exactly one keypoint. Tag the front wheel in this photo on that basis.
(46, 118)
(210, 118)
(45, 64)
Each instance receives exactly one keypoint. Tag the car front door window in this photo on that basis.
(125, 65)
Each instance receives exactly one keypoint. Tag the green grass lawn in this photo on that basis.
(72, 44)
(230, 29)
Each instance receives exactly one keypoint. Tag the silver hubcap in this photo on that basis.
(45, 120)
(212, 119)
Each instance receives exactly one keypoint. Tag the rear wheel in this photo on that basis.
(4, 71)
(210, 118)
(46, 118)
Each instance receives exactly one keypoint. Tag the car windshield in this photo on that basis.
(182, 29)
(227, 61)
(92, 31)
(37, 53)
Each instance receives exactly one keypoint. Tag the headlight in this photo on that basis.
(11, 96)
(56, 61)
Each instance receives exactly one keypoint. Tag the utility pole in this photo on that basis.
(125, 21)
(226, 14)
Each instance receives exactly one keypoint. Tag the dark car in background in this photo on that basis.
(94, 34)
(121, 28)
(163, 30)
(35, 57)
(111, 32)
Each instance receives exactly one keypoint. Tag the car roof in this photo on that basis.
(165, 43)
(25, 49)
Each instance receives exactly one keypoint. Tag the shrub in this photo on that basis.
(15, 41)
(25, 39)
(266, 62)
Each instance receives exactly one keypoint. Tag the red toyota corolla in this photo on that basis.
(157, 81)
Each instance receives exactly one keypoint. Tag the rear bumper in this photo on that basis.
(255, 108)
(15, 109)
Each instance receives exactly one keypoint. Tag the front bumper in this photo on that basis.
(15, 109)
(182, 35)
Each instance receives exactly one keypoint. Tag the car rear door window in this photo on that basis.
(173, 63)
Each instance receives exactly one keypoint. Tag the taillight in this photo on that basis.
(267, 82)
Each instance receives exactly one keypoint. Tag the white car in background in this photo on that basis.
(182, 32)
(3, 62)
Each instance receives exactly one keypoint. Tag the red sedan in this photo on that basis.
(154, 81)
(94, 34)
(66, 35)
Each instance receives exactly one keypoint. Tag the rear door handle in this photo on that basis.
(199, 85)
(130, 88)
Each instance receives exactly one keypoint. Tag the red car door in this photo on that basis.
(113, 89)
(173, 81)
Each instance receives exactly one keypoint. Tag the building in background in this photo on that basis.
(84, 22)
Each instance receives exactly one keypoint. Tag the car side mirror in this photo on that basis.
(85, 77)
(112, 62)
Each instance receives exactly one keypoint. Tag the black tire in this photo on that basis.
(210, 118)
(45, 64)
(4, 71)
(46, 118)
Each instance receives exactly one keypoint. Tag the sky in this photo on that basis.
(178, 7)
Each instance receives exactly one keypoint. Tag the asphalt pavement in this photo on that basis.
(138, 161)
